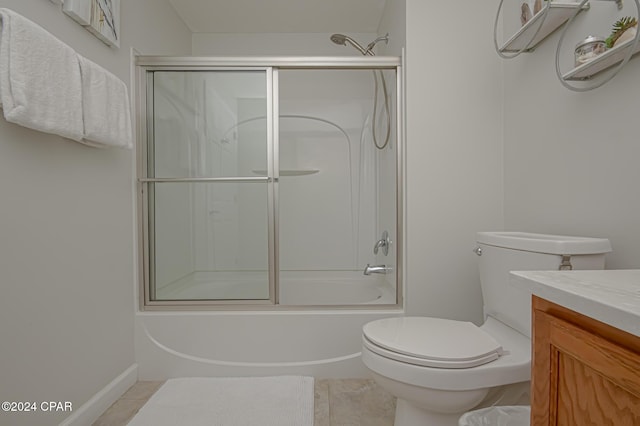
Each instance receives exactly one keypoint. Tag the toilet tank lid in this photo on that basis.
(545, 243)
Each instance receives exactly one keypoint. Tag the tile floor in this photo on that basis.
(338, 402)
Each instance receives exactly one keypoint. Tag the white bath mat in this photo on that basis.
(230, 401)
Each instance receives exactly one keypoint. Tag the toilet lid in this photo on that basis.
(431, 342)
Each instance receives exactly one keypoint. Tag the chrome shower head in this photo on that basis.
(342, 39)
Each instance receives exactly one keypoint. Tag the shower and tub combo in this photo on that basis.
(266, 184)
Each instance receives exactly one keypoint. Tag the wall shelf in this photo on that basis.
(602, 62)
(558, 14)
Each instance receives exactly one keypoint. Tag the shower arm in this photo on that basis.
(371, 45)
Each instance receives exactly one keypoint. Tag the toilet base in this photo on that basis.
(418, 406)
(411, 415)
(408, 414)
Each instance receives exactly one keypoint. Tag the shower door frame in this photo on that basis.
(271, 66)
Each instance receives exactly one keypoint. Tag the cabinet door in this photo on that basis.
(581, 378)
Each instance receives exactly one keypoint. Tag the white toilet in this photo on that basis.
(438, 368)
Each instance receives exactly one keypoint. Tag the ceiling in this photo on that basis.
(280, 16)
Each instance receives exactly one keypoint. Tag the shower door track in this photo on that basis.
(153, 63)
(271, 65)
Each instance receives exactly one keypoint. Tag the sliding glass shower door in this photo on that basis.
(208, 165)
(269, 181)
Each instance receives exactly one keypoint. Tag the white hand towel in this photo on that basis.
(105, 107)
(39, 78)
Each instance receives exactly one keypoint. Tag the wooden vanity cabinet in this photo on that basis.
(584, 372)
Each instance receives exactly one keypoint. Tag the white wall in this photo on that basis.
(571, 159)
(273, 44)
(67, 234)
(454, 153)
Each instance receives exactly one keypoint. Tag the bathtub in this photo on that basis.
(298, 339)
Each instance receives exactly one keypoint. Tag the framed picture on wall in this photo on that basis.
(101, 17)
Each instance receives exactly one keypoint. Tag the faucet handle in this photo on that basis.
(383, 242)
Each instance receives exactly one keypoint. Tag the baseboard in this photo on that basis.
(98, 403)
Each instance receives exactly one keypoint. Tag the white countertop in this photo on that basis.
(609, 296)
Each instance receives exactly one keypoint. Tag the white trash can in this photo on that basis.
(508, 415)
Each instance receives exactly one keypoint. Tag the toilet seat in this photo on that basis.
(431, 342)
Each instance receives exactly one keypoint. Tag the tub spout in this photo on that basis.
(375, 269)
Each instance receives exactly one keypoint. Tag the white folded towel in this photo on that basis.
(105, 107)
(39, 78)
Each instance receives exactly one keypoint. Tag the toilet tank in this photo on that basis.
(502, 252)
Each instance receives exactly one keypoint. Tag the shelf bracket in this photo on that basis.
(619, 4)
